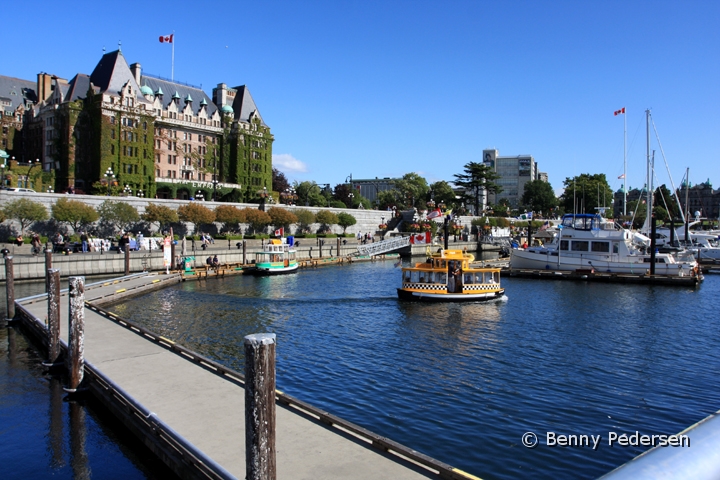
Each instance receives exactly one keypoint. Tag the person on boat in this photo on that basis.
(456, 273)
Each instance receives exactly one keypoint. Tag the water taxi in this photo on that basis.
(448, 276)
(276, 258)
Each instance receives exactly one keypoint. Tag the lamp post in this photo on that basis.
(351, 196)
(263, 194)
(49, 190)
(140, 194)
(199, 195)
(110, 177)
(127, 190)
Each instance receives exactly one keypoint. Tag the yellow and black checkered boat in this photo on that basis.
(448, 276)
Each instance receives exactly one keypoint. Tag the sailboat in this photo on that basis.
(592, 242)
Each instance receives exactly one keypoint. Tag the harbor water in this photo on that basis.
(464, 382)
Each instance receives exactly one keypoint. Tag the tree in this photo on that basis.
(663, 197)
(539, 196)
(345, 220)
(74, 213)
(118, 214)
(160, 214)
(342, 193)
(585, 192)
(476, 179)
(25, 211)
(229, 216)
(279, 181)
(310, 193)
(305, 218)
(257, 219)
(326, 219)
(442, 192)
(282, 217)
(413, 190)
(196, 214)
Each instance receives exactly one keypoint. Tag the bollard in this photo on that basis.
(9, 289)
(53, 300)
(331, 251)
(338, 246)
(48, 266)
(244, 246)
(127, 259)
(260, 407)
(311, 253)
(76, 332)
(321, 245)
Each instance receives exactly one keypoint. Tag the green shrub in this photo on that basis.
(327, 235)
(257, 236)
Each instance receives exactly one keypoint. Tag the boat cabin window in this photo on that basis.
(414, 276)
(580, 246)
(479, 277)
(603, 247)
(406, 276)
(657, 260)
(581, 222)
(564, 245)
(616, 248)
(468, 278)
(441, 278)
(489, 278)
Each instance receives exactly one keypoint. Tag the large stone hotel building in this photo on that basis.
(158, 138)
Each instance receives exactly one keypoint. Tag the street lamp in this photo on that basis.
(127, 190)
(199, 195)
(351, 196)
(140, 193)
(49, 190)
(263, 194)
(110, 177)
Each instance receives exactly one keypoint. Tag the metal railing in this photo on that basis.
(383, 246)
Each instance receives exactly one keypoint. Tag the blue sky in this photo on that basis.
(383, 88)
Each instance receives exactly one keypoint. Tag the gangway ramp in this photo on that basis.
(383, 246)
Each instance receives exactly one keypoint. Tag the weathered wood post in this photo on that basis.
(53, 316)
(127, 259)
(48, 266)
(244, 252)
(338, 246)
(260, 407)
(9, 289)
(321, 242)
(76, 332)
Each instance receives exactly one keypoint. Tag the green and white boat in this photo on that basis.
(276, 258)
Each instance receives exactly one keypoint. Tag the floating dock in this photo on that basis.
(607, 277)
(189, 410)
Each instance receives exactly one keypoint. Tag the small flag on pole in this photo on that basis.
(169, 39)
(279, 232)
(620, 112)
(621, 176)
(420, 238)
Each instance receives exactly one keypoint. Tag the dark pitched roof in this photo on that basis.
(112, 73)
(170, 88)
(78, 87)
(17, 92)
(244, 105)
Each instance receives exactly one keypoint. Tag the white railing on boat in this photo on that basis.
(383, 246)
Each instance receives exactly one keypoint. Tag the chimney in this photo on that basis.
(136, 69)
(44, 86)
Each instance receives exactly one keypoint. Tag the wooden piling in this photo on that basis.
(48, 266)
(260, 407)
(244, 244)
(9, 289)
(76, 332)
(338, 246)
(53, 316)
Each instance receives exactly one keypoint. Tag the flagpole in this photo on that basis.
(625, 166)
(172, 61)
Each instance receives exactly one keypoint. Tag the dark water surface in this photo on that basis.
(463, 382)
(44, 436)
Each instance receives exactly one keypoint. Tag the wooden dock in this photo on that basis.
(592, 275)
(190, 410)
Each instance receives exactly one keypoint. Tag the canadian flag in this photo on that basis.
(420, 238)
(279, 232)
(622, 176)
(620, 112)
(167, 39)
(434, 214)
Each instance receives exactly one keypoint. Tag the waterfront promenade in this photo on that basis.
(207, 409)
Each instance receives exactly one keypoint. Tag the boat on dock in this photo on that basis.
(278, 257)
(450, 276)
(591, 242)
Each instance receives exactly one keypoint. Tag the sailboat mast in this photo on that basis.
(648, 185)
(625, 166)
